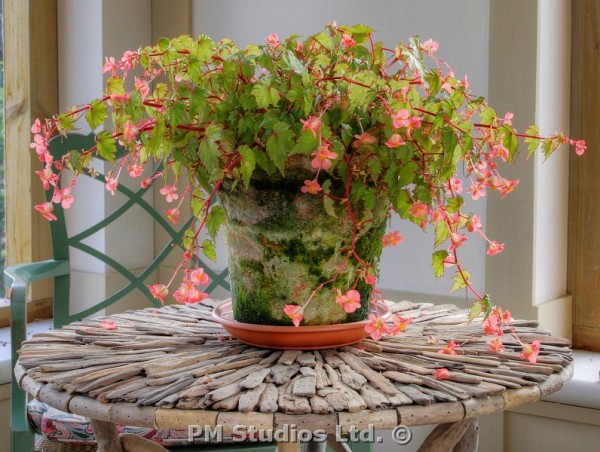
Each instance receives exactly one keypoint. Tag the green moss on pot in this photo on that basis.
(282, 245)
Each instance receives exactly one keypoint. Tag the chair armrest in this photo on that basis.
(35, 271)
(17, 278)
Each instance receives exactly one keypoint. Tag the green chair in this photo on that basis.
(18, 277)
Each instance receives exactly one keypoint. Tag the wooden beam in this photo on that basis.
(31, 87)
(583, 274)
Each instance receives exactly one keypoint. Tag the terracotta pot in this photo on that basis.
(282, 244)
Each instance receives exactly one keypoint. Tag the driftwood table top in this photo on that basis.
(174, 367)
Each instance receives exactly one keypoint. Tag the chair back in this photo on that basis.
(65, 243)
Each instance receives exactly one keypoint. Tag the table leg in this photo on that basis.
(449, 437)
(289, 447)
(107, 437)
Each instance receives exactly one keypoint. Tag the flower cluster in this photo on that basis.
(392, 124)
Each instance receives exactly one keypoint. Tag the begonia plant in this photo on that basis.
(388, 123)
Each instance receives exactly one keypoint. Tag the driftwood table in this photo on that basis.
(174, 367)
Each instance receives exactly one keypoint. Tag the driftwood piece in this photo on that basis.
(255, 378)
(445, 436)
(305, 386)
(249, 399)
(281, 373)
(267, 402)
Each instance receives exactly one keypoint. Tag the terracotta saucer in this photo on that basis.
(291, 337)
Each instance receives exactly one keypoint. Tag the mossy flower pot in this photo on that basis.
(282, 244)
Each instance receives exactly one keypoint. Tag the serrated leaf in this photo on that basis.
(208, 248)
(107, 146)
(438, 259)
(114, 86)
(460, 280)
(442, 233)
(209, 154)
(97, 114)
(248, 164)
(305, 144)
(328, 204)
(475, 311)
(279, 145)
(214, 220)
(265, 95)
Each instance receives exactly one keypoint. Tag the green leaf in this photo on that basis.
(438, 259)
(214, 220)
(209, 154)
(248, 164)
(460, 280)
(114, 85)
(328, 203)
(280, 144)
(509, 141)
(97, 114)
(442, 233)
(178, 114)
(66, 122)
(488, 115)
(265, 95)
(475, 311)
(208, 248)
(407, 174)
(107, 147)
(531, 140)
(306, 143)
(204, 50)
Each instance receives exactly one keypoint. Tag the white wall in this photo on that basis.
(89, 30)
(460, 26)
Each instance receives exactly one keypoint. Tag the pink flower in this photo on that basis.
(311, 186)
(111, 184)
(350, 302)
(400, 119)
(36, 127)
(419, 209)
(294, 312)
(530, 352)
(322, 158)
(392, 239)
(108, 325)
(347, 41)
(109, 65)
(159, 291)
(363, 139)
(142, 87)
(130, 131)
(377, 327)
(40, 144)
(474, 223)
(430, 46)
(64, 197)
(370, 279)
(273, 40)
(395, 141)
(448, 349)
(455, 186)
(477, 191)
(495, 344)
(580, 146)
(46, 210)
(313, 123)
(442, 374)
(508, 186)
(173, 215)
(456, 240)
(199, 277)
(400, 324)
(169, 192)
(135, 170)
(495, 248)
(48, 177)
(145, 183)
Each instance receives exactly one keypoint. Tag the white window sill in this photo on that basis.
(583, 389)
